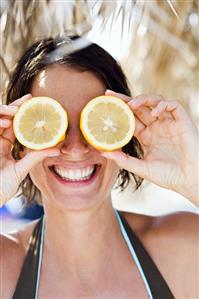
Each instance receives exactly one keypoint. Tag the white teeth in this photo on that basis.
(75, 174)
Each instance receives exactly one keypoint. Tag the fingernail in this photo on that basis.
(154, 113)
(106, 155)
(4, 123)
(26, 96)
(12, 108)
(134, 102)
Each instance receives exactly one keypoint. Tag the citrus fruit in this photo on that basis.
(40, 122)
(107, 123)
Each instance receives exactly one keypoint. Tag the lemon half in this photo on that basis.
(40, 122)
(107, 123)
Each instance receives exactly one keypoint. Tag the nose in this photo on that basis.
(74, 144)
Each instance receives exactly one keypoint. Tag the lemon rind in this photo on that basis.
(61, 132)
(89, 136)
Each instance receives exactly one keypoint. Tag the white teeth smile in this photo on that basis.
(74, 174)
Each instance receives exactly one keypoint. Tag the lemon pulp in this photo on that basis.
(107, 123)
(41, 122)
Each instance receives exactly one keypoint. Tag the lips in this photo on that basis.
(75, 175)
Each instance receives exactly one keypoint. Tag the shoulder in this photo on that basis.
(10, 247)
(175, 233)
(16, 241)
(181, 226)
(178, 233)
(172, 242)
(13, 249)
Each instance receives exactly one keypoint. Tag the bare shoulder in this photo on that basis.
(173, 241)
(17, 240)
(181, 222)
(183, 226)
(13, 248)
(179, 230)
(174, 233)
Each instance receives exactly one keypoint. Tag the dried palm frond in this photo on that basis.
(24, 22)
(163, 53)
(163, 57)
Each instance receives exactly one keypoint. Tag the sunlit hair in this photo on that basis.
(90, 57)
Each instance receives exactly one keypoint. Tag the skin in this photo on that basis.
(74, 151)
(80, 222)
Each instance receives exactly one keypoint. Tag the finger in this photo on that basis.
(145, 100)
(118, 95)
(5, 123)
(144, 115)
(6, 146)
(145, 105)
(177, 110)
(11, 109)
(139, 126)
(127, 162)
(8, 133)
(21, 100)
(8, 110)
(160, 111)
(6, 130)
(31, 159)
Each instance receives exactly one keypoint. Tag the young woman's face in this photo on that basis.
(88, 176)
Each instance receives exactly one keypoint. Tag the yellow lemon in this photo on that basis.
(107, 123)
(40, 122)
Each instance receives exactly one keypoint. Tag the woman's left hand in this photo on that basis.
(170, 141)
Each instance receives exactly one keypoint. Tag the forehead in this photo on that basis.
(69, 86)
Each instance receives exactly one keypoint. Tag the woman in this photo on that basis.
(83, 248)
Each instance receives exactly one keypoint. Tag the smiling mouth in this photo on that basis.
(75, 175)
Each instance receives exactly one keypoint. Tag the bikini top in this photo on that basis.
(28, 283)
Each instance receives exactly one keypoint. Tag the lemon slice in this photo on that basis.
(40, 122)
(107, 123)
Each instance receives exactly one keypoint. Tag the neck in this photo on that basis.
(75, 238)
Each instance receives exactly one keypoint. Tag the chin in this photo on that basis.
(71, 202)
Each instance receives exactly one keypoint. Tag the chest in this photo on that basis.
(117, 281)
(121, 279)
(118, 278)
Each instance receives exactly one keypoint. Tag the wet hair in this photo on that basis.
(91, 58)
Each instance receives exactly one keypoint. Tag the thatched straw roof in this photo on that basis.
(162, 55)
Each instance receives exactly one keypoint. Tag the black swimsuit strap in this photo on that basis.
(26, 285)
(158, 286)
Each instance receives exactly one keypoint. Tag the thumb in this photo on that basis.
(24, 165)
(127, 162)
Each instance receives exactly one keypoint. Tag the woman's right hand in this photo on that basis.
(13, 172)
